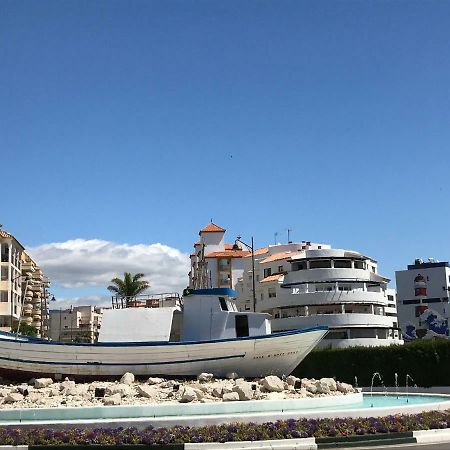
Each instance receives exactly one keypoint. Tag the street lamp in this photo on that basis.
(252, 249)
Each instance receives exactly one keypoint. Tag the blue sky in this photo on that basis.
(135, 122)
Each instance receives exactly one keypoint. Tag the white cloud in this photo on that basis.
(67, 302)
(83, 263)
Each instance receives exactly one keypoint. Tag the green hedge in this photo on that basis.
(427, 362)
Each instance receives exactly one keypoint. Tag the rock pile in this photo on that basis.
(46, 393)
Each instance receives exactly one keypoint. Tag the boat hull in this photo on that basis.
(253, 356)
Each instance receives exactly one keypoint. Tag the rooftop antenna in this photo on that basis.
(275, 235)
(289, 235)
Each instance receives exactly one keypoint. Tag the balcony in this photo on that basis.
(288, 297)
(332, 321)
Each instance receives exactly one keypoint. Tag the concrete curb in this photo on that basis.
(414, 437)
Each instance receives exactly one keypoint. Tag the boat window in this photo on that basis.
(241, 325)
(223, 304)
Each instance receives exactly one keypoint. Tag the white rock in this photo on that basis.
(230, 397)
(291, 380)
(322, 387)
(66, 384)
(13, 397)
(146, 391)
(199, 393)
(34, 397)
(122, 389)
(40, 383)
(244, 391)
(205, 377)
(72, 390)
(331, 382)
(226, 389)
(188, 395)
(272, 383)
(155, 380)
(217, 392)
(276, 396)
(127, 378)
(112, 400)
(344, 388)
(309, 385)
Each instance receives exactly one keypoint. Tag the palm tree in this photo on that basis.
(130, 286)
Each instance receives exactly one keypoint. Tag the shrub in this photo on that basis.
(427, 362)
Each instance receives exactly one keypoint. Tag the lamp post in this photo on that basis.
(252, 249)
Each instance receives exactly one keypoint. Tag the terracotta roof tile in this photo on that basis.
(227, 254)
(275, 277)
(212, 228)
(260, 251)
(277, 257)
(5, 234)
(229, 246)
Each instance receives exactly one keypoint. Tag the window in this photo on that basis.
(342, 264)
(280, 269)
(241, 322)
(272, 293)
(299, 266)
(3, 296)
(223, 304)
(267, 272)
(345, 288)
(320, 264)
(391, 298)
(360, 265)
(4, 275)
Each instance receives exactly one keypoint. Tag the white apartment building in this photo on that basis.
(308, 284)
(23, 288)
(77, 324)
(423, 299)
(10, 280)
(224, 264)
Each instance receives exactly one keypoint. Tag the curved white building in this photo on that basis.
(304, 285)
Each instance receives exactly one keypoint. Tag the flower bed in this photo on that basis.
(285, 429)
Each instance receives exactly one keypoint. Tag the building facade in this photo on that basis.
(10, 280)
(23, 288)
(308, 284)
(215, 263)
(423, 299)
(77, 324)
(35, 296)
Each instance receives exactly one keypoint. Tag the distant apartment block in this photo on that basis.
(423, 299)
(77, 324)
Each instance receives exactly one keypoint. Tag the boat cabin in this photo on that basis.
(205, 314)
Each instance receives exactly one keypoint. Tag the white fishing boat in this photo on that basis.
(205, 334)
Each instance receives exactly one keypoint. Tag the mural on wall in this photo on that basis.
(430, 324)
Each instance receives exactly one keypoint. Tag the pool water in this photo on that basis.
(378, 400)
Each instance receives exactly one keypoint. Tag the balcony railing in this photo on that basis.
(147, 301)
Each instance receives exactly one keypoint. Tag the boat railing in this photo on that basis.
(147, 301)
